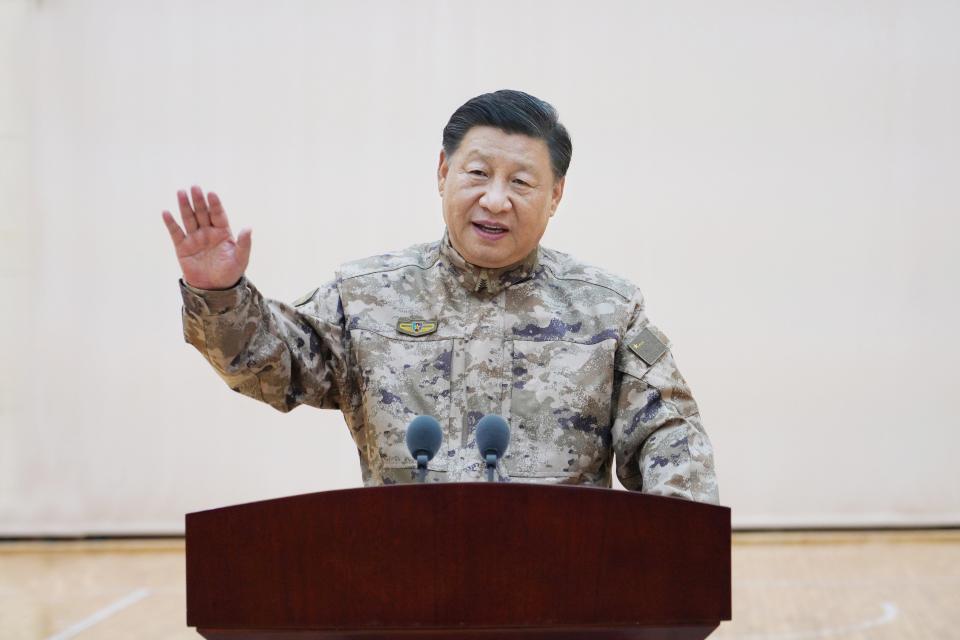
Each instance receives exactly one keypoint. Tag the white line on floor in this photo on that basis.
(842, 584)
(131, 598)
(890, 613)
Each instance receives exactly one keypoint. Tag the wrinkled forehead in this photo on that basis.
(494, 146)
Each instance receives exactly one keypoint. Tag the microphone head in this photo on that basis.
(493, 435)
(424, 436)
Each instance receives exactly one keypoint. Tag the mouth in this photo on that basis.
(491, 229)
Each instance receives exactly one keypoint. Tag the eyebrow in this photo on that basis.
(482, 156)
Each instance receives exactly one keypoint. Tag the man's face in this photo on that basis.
(498, 194)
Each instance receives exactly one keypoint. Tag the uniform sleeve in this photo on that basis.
(658, 439)
(281, 354)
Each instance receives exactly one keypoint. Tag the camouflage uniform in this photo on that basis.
(562, 350)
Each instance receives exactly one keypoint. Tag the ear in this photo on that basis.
(442, 169)
(557, 194)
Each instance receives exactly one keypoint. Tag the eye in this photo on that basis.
(477, 172)
(522, 183)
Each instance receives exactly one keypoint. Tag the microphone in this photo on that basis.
(423, 441)
(493, 437)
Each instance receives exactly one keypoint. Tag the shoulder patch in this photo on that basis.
(304, 299)
(647, 346)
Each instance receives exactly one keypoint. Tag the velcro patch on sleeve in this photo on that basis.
(648, 346)
(304, 299)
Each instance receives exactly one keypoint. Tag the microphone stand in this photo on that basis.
(491, 459)
(422, 460)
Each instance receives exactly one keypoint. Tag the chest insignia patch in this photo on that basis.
(648, 346)
(416, 327)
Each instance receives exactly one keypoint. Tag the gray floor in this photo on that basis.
(879, 585)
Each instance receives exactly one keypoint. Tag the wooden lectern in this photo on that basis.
(472, 560)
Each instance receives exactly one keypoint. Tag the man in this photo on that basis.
(485, 321)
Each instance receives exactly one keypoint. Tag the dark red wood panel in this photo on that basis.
(472, 556)
(569, 633)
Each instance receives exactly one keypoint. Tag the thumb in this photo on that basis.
(243, 246)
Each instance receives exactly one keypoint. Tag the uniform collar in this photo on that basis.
(480, 280)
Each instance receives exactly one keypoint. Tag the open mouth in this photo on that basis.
(491, 229)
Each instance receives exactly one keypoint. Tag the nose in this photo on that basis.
(496, 198)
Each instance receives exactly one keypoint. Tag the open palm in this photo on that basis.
(209, 256)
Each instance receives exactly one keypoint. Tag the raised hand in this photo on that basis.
(210, 257)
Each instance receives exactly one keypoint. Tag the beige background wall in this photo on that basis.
(780, 178)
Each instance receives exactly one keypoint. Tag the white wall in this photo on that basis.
(781, 179)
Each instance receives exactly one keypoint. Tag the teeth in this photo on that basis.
(486, 228)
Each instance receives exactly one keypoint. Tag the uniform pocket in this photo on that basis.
(400, 379)
(560, 406)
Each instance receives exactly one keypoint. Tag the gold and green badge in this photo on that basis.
(416, 327)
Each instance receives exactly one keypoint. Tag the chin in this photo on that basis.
(481, 254)
(486, 258)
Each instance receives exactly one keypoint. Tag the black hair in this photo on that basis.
(513, 112)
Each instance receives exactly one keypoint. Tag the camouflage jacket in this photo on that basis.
(562, 350)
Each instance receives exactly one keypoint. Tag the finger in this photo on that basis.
(200, 206)
(186, 213)
(176, 233)
(218, 217)
(244, 241)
